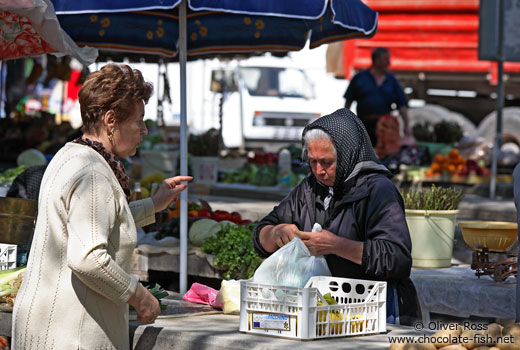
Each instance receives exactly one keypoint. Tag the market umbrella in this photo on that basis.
(31, 28)
(211, 28)
(214, 27)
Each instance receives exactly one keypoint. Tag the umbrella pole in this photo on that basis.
(183, 276)
(500, 102)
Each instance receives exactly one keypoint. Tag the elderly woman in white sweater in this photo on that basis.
(77, 286)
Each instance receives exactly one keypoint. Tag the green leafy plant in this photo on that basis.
(443, 131)
(447, 132)
(438, 198)
(234, 252)
(423, 132)
(206, 144)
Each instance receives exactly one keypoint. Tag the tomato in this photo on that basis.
(236, 217)
(220, 215)
(245, 222)
(204, 213)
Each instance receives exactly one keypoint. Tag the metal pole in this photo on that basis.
(500, 101)
(183, 278)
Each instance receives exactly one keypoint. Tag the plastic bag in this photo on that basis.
(292, 265)
(229, 296)
(202, 294)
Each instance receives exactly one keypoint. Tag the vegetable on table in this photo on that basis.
(10, 281)
(9, 175)
(233, 249)
(158, 292)
(200, 231)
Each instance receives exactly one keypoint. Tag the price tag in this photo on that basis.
(271, 321)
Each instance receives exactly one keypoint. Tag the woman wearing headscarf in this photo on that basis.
(349, 193)
(77, 286)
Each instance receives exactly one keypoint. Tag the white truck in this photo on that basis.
(262, 101)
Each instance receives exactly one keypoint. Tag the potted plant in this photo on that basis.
(430, 216)
(204, 151)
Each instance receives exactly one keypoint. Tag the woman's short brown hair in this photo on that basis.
(114, 87)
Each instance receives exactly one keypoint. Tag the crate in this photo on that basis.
(205, 170)
(164, 162)
(292, 312)
(7, 256)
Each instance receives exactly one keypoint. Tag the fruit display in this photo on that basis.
(203, 222)
(455, 167)
(262, 169)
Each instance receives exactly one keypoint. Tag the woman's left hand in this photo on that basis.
(325, 242)
(168, 190)
(319, 243)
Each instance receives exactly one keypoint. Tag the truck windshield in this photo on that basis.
(275, 81)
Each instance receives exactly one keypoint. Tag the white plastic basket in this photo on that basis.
(7, 256)
(295, 312)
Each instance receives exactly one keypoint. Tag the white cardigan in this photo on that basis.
(77, 281)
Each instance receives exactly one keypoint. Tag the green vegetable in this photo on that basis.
(443, 131)
(158, 292)
(245, 174)
(423, 132)
(205, 145)
(9, 175)
(439, 198)
(200, 231)
(447, 132)
(7, 276)
(329, 299)
(214, 230)
(233, 250)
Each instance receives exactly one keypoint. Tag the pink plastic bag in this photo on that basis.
(202, 294)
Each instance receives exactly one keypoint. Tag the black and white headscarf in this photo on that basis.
(353, 148)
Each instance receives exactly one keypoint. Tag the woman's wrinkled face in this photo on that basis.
(322, 160)
(129, 133)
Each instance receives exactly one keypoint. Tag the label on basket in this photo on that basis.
(271, 321)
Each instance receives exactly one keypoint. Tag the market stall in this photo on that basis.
(458, 292)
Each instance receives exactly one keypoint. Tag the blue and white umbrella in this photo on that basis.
(214, 27)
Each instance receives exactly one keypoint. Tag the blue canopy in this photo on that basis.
(214, 26)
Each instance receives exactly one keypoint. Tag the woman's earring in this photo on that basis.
(111, 136)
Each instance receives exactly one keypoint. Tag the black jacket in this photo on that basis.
(371, 211)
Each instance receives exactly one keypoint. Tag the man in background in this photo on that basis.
(377, 92)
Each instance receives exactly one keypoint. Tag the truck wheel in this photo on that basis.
(510, 126)
(433, 114)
